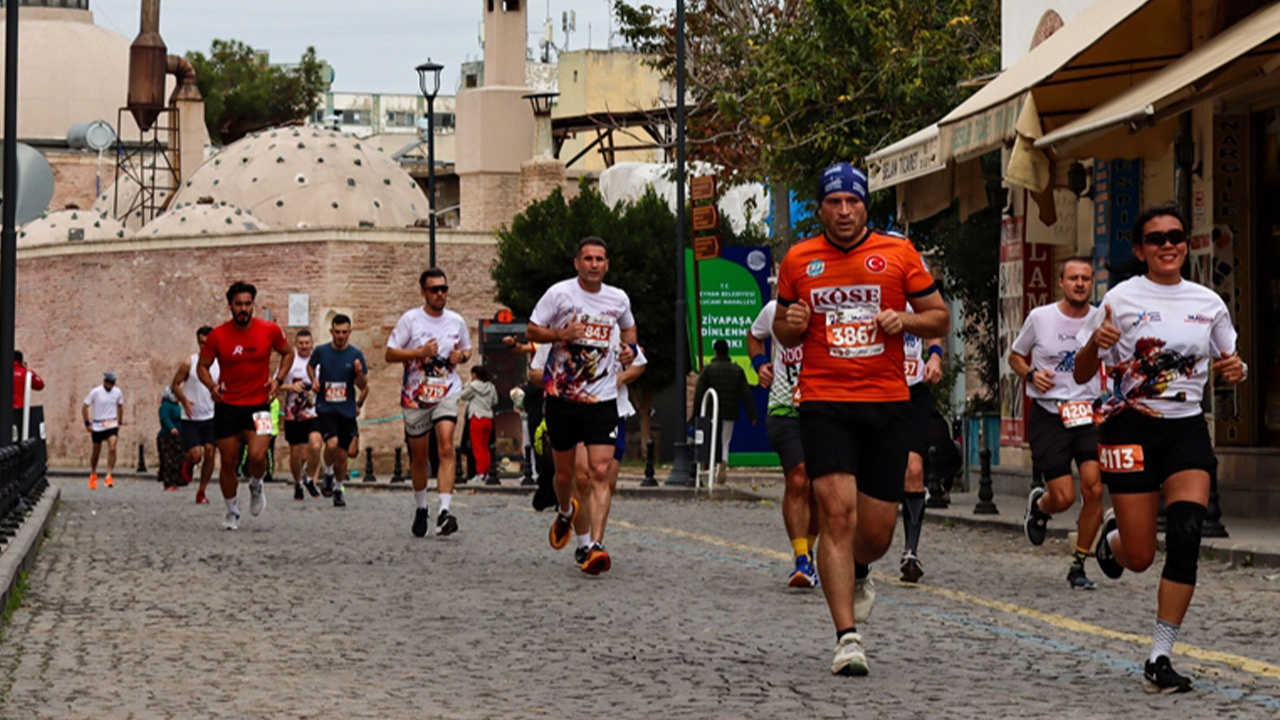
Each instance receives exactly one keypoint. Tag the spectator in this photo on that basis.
(481, 397)
(729, 381)
(169, 441)
(20, 372)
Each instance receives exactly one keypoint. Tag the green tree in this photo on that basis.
(243, 93)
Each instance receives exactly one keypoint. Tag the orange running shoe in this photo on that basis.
(597, 560)
(93, 482)
(562, 528)
(108, 481)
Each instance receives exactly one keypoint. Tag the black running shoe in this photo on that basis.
(421, 519)
(310, 485)
(297, 491)
(340, 498)
(1035, 522)
(544, 497)
(446, 523)
(1160, 677)
(326, 485)
(1102, 552)
(1078, 580)
(580, 555)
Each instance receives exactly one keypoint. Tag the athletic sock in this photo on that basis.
(565, 513)
(1078, 557)
(232, 505)
(445, 500)
(328, 469)
(421, 497)
(584, 540)
(841, 633)
(1111, 537)
(860, 571)
(255, 482)
(913, 518)
(800, 546)
(813, 543)
(1165, 636)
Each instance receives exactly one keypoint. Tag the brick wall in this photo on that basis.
(135, 311)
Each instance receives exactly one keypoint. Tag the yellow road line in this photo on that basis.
(1240, 662)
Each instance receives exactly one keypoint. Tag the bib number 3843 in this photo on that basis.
(1121, 458)
(852, 332)
(598, 330)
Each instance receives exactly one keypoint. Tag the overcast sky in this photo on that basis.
(372, 45)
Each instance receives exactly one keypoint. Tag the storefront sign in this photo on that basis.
(1013, 416)
(982, 132)
(1231, 243)
(906, 164)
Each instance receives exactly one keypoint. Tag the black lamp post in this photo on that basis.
(680, 465)
(8, 235)
(429, 82)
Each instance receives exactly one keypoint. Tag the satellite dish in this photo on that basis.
(96, 135)
(35, 182)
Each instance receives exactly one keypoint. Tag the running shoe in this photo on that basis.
(562, 528)
(911, 567)
(544, 497)
(864, 598)
(297, 492)
(1078, 580)
(257, 499)
(93, 482)
(1035, 522)
(804, 575)
(1160, 677)
(421, 520)
(446, 523)
(340, 497)
(1102, 551)
(851, 657)
(310, 485)
(187, 470)
(201, 498)
(231, 521)
(580, 554)
(597, 560)
(109, 481)
(326, 484)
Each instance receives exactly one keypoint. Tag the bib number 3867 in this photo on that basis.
(852, 332)
(1121, 458)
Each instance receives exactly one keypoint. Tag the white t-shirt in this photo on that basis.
(582, 371)
(1169, 336)
(1051, 340)
(786, 363)
(299, 406)
(104, 407)
(428, 381)
(625, 408)
(198, 395)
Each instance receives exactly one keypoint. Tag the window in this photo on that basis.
(401, 118)
(471, 81)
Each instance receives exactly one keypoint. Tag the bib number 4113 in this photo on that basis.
(1121, 458)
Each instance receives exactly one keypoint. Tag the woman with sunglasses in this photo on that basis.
(1158, 339)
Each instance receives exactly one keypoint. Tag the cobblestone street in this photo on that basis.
(142, 606)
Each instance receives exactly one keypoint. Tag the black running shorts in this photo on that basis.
(196, 433)
(784, 438)
(1139, 452)
(920, 413)
(232, 420)
(865, 439)
(101, 436)
(1054, 446)
(570, 423)
(298, 432)
(333, 425)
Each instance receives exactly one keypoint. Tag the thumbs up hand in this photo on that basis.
(1107, 334)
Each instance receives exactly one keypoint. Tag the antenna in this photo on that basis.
(480, 36)
(568, 24)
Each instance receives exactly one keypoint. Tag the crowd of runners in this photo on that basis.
(855, 330)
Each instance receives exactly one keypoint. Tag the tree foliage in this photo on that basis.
(243, 93)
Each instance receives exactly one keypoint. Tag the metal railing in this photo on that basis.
(23, 480)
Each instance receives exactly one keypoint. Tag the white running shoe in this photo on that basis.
(231, 521)
(864, 598)
(851, 657)
(257, 499)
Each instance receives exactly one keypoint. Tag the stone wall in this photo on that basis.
(133, 307)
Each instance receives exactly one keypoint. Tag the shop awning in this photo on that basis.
(909, 158)
(1200, 75)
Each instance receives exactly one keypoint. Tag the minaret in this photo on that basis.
(495, 124)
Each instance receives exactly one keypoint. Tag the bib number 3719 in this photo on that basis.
(1121, 458)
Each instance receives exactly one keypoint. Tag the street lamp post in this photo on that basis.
(429, 77)
(680, 457)
(8, 235)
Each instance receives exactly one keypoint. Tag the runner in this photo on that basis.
(431, 342)
(782, 423)
(579, 316)
(197, 417)
(341, 370)
(845, 295)
(301, 428)
(1160, 337)
(1060, 425)
(242, 347)
(921, 372)
(103, 413)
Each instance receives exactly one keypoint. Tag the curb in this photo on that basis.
(20, 554)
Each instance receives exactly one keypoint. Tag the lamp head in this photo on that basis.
(429, 77)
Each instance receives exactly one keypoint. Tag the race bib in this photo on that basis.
(1076, 414)
(599, 329)
(262, 422)
(335, 392)
(852, 332)
(434, 390)
(912, 366)
(109, 423)
(1121, 458)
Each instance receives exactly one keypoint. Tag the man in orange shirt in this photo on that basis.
(845, 294)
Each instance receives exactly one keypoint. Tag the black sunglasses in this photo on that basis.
(1158, 239)
(438, 289)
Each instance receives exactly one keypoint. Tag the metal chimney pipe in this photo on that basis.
(147, 64)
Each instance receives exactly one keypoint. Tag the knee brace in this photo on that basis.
(1182, 541)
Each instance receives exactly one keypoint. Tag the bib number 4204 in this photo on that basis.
(1121, 458)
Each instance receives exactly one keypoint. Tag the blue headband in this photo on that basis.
(843, 177)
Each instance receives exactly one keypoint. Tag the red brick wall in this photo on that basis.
(136, 313)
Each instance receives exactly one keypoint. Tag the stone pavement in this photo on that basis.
(141, 606)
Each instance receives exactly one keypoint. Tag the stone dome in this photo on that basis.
(129, 188)
(70, 226)
(202, 219)
(308, 177)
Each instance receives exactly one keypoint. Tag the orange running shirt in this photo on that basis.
(847, 357)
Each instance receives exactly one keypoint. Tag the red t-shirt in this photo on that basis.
(847, 357)
(244, 359)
